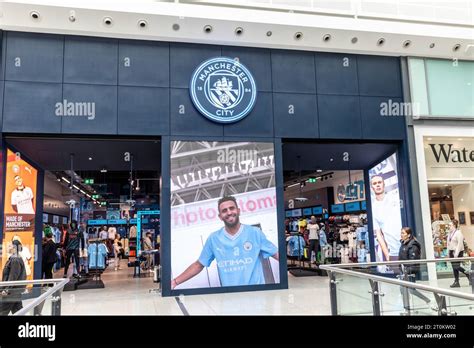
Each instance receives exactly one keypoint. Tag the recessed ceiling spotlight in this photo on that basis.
(142, 23)
(407, 43)
(331, 159)
(108, 21)
(432, 45)
(269, 33)
(175, 27)
(72, 16)
(298, 35)
(380, 41)
(354, 40)
(319, 170)
(239, 31)
(327, 37)
(90, 158)
(35, 15)
(456, 47)
(207, 29)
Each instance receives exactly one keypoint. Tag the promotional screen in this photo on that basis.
(19, 210)
(386, 209)
(224, 229)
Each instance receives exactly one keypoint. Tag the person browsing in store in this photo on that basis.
(313, 228)
(456, 249)
(387, 220)
(236, 248)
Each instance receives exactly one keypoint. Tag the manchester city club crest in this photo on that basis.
(247, 246)
(223, 90)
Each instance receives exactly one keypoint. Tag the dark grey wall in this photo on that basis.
(141, 88)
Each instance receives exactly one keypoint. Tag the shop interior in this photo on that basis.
(326, 181)
(448, 201)
(111, 189)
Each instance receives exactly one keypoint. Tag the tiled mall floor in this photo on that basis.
(125, 295)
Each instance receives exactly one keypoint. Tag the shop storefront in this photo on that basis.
(443, 134)
(221, 114)
(446, 173)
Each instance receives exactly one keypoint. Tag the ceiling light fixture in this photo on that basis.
(108, 21)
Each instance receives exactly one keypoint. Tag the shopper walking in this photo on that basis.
(410, 249)
(117, 251)
(456, 249)
(14, 270)
(49, 256)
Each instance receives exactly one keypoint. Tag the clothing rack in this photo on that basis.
(300, 270)
(95, 273)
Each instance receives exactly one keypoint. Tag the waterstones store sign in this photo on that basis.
(449, 158)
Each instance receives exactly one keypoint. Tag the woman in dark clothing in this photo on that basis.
(49, 254)
(14, 270)
(410, 249)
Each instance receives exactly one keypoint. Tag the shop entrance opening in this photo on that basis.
(343, 204)
(99, 202)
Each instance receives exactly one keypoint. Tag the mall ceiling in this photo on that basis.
(308, 158)
(89, 154)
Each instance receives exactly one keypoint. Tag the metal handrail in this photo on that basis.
(28, 282)
(382, 263)
(57, 287)
(436, 290)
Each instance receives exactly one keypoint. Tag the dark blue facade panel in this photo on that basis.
(95, 109)
(296, 115)
(380, 118)
(258, 62)
(293, 72)
(144, 63)
(259, 123)
(339, 117)
(185, 58)
(143, 110)
(186, 120)
(3, 47)
(336, 74)
(1, 103)
(30, 107)
(34, 57)
(379, 76)
(90, 60)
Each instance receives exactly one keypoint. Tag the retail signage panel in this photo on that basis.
(363, 205)
(337, 208)
(386, 210)
(307, 211)
(351, 207)
(97, 222)
(223, 90)
(117, 222)
(317, 210)
(133, 221)
(296, 213)
(20, 210)
(200, 227)
(288, 213)
(449, 158)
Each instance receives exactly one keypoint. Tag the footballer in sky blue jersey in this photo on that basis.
(235, 247)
